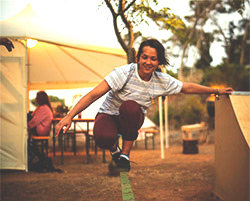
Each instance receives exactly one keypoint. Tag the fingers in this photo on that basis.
(57, 130)
(60, 126)
(7, 43)
(66, 128)
(228, 90)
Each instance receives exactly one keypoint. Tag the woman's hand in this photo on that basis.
(82, 104)
(66, 121)
(227, 90)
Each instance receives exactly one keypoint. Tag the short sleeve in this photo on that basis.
(118, 77)
(168, 84)
(174, 86)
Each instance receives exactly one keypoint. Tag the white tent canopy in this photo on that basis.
(54, 63)
(51, 64)
(66, 67)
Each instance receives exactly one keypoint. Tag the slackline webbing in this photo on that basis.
(127, 193)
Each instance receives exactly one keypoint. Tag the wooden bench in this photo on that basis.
(148, 133)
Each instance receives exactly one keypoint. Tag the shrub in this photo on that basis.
(190, 111)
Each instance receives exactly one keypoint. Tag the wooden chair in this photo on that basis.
(43, 141)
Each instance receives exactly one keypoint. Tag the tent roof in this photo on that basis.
(54, 63)
(59, 67)
(26, 24)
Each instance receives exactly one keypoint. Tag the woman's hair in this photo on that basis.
(163, 60)
(43, 99)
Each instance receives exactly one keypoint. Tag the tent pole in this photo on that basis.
(161, 127)
(27, 54)
(164, 70)
(166, 122)
(26, 105)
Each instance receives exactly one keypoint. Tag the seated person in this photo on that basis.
(40, 123)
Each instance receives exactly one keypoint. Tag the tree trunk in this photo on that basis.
(131, 58)
(201, 15)
(243, 44)
(180, 72)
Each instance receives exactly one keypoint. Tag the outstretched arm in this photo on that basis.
(192, 88)
(82, 104)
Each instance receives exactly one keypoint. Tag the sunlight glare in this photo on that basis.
(31, 43)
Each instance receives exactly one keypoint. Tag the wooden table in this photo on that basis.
(61, 136)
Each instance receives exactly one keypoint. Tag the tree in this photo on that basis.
(204, 50)
(233, 75)
(193, 34)
(127, 14)
(238, 45)
(229, 36)
(51, 98)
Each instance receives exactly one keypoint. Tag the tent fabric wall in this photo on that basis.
(12, 108)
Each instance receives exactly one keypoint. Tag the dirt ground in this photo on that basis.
(178, 177)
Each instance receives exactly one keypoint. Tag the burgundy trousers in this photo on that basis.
(127, 123)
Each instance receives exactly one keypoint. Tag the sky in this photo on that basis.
(89, 22)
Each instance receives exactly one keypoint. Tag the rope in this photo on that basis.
(127, 193)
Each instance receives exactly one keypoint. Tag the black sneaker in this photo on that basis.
(116, 157)
(113, 164)
(123, 165)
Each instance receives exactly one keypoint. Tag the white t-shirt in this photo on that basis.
(126, 84)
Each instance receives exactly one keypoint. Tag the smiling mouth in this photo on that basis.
(148, 68)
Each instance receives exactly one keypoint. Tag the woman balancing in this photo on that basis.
(131, 89)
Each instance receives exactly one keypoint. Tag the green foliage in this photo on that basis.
(237, 42)
(192, 110)
(56, 99)
(61, 110)
(204, 50)
(129, 14)
(164, 19)
(229, 6)
(51, 98)
(171, 73)
(33, 101)
(233, 75)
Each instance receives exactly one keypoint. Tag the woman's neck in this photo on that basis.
(143, 76)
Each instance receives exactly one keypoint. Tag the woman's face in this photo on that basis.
(148, 62)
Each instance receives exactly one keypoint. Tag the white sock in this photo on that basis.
(116, 151)
(125, 156)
